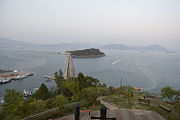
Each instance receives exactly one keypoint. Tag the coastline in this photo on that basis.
(87, 56)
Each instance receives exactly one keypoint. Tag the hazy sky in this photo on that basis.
(133, 22)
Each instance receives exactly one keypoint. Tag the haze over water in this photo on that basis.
(149, 70)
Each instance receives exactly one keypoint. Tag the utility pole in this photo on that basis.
(121, 80)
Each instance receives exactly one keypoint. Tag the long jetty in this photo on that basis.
(49, 77)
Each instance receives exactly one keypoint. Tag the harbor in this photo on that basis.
(7, 76)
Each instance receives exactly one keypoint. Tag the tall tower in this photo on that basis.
(69, 69)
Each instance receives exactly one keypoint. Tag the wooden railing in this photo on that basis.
(52, 110)
(144, 100)
(165, 108)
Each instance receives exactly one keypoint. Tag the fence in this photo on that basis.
(52, 110)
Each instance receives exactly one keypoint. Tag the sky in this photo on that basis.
(131, 22)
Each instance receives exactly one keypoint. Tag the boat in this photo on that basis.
(35, 89)
(2, 101)
(26, 93)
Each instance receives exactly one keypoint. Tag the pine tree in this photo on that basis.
(42, 93)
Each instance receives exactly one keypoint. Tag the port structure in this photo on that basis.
(50, 77)
(69, 71)
(6, 77)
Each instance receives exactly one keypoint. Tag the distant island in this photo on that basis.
(8, 43)
(127, 47)
(86, 53)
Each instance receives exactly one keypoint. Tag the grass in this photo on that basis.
(120, 101)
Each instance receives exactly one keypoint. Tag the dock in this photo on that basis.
(6, 77)
(69, 71)
(50, 77)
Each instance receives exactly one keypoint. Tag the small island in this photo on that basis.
(86, 53)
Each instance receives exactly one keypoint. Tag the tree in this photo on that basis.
(72, 85)
(101, 91)
(111, 90)
(37, 106)
(177, 107)
(90, 81)
(13, 107)
(42, 93)
(61, 101)
(90, 94)
(82, 81)
(53, 91)
(127, 92)
(170, 94)
(59, 80)
(50, 103)
(103, 85)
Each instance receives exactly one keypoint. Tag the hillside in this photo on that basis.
(127, 47)
(9, 43)
(5, 42)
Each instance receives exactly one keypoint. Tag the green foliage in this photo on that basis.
(102, 91)
(13, 106)
(125, 91)
(90, 81)
(53, 92)
(66, 91)
(37, 106)
(51, 115)
(111, 90)
(128, 92)
(123, 99)
(77, 85)
(82, 82)
(42, 93)
(59, 81)
(177, 107)
(86, 52)
(61, 101)
(103, 85)
(50, 103)
(90, 94)
(170, 94)
(72, 85)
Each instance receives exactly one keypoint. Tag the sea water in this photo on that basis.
(148, 70)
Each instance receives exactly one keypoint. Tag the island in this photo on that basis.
(86, 53)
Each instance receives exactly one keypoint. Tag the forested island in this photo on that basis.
(86, 53)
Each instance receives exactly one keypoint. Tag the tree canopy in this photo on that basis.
(170, 94)
(66, 91)
(42, 93)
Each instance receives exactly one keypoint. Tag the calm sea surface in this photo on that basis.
(149, 70)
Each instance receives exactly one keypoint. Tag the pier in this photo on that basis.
(49, 77)
(69, 71)
(6, 77)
